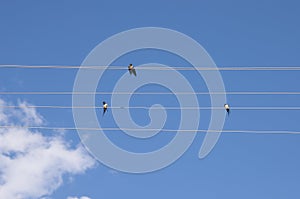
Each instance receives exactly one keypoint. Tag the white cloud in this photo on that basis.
(3, 116)
(82, 197)
(25, 115)
(33, 165)
(30, 116)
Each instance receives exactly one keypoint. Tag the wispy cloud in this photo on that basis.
(33, 165)
(113, 172)
(24, 115)
(30, 115)
(82, 197)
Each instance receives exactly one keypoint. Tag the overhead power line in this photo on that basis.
(155, 108)
(162, 130)
(231, 68)
(148, 93)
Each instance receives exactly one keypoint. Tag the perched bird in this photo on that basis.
(226, 106)
(131, 69)
(104, 107)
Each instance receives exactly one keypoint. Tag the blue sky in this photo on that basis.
(234, 33)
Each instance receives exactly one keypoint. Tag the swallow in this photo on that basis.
(227, 108)
(131, 69)
(104, 107)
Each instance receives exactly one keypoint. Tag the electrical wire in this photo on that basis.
(163, 130)
(149, 93)
(247, 68)
(154, 108)
(232, 68)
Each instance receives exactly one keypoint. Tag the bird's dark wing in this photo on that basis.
(104, 110)
(130, 71)
(133, 71)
